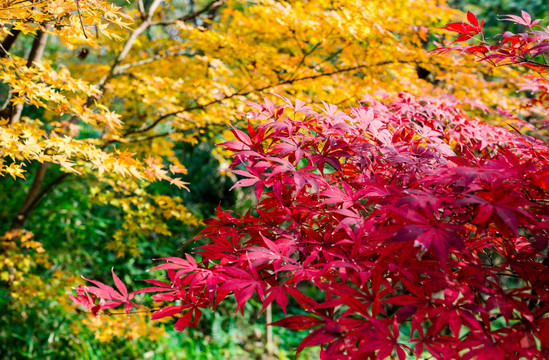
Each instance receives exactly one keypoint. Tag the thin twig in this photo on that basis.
(8, 42)
(80, 17)
(267, 87)
(212, 5)
(151, 59)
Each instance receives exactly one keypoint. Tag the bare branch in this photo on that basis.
(80, 18)
(8, 42)
(36, 53)
(128, 45)
(141, 8)
(212, 5)
(245, 93)
(151, 59)
(30, 199)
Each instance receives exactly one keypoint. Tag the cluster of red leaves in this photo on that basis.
(422, 229)
(527, 48)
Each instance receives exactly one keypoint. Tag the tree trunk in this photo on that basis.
(269, 331)
(31, 198)
(8, 42)
(36, 53)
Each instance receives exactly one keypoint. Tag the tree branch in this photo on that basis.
(267, 87)
(8, 42)
(212, 5)
(304, 58)
(31, 202)
(80, 18)
(128, 45)
(151, 59)
(36, 53)
(147, 22)
(34, 190)
(141, 8)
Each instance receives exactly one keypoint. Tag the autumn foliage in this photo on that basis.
(509, 48)
(527, 48)
(422, 228)
(404, 213)
(401, 226)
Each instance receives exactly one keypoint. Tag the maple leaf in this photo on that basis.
(298, 322)
(85, 299)
(105, 292)
(428, 232)
(465, 30)
(525, 19)
(243, 285)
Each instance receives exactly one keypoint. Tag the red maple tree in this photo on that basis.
(422, 228)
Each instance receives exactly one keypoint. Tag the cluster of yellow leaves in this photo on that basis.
(133, 327)
(61, 94)
(27, 141)
(19, 253)
(144, 215)
(56, 91)
(41, 86)
(33, 288)
(192, 81)
(73, 22)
